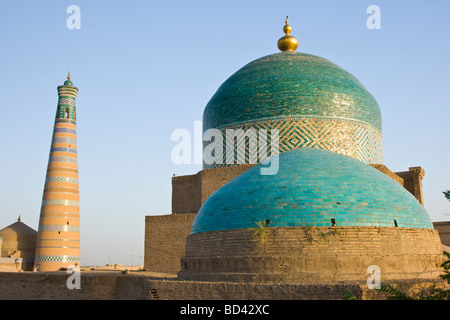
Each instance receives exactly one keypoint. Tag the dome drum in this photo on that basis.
(319, 254)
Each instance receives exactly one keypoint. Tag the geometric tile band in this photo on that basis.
(67, 140)
(66, 121)
(71, 102)
(61, 179)
(65, 130)
(68, 150)
(63, 159)
(347, 137)
(58, 202)
(57, 258)
(67, 228)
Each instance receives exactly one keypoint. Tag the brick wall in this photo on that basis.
(114, 286)
(165, 241)
(198, 290)
(53, 286)
(189, 192)
(312, 254)
(186, 194)
(444, 231)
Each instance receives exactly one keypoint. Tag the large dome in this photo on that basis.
(312, 101)
(313, 187)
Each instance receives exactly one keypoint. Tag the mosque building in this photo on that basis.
(293, 193)
(331, 208)
(17, 247)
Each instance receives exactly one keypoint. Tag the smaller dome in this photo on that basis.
(19, 241)
(17, 229)
(313, 187)
(68, 82)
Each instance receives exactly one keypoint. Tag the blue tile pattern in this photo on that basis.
(312, 187)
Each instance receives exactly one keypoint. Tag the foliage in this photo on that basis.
(395, 294)
(434, 294)
(447, 194)
(261, 230)
(348, 295)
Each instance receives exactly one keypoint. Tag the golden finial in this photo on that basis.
(288, 42)
(18, 219)
(68, 76)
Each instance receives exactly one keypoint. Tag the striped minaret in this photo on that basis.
(58, 240)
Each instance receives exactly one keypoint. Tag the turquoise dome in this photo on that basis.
(311, 101)
(312, 187)
(288, 84)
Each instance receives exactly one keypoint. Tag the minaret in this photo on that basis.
(58, 240)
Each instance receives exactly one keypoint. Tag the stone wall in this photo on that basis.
(165, 241)
(313, 254)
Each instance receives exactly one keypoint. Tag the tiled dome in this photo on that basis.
(312, 101)
(313, 187)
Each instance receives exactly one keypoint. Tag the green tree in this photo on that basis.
(447, 194)
(434, 294)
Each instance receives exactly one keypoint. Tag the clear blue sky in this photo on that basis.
(146, 68)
